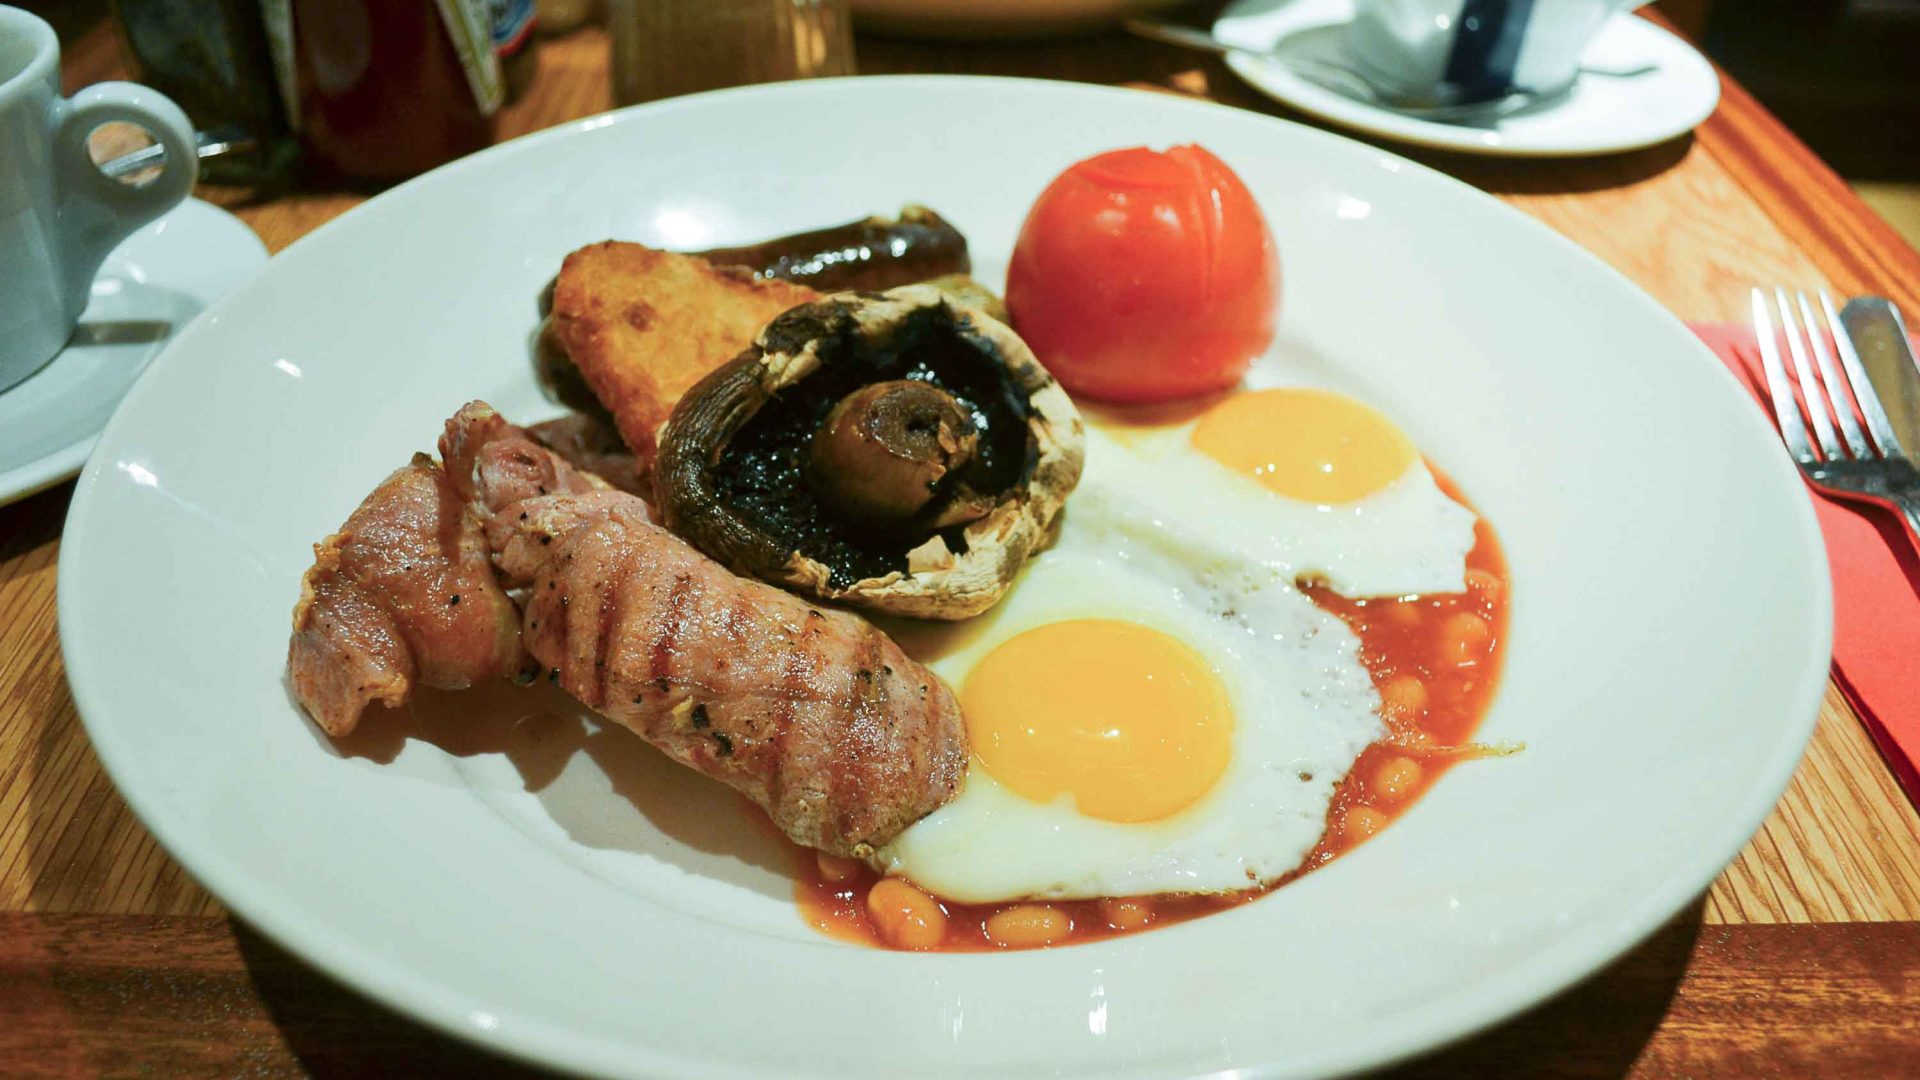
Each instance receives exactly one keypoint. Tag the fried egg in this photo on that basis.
(1315, 484)
(1145, 717)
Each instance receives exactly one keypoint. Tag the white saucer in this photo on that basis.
(1600, 115)
(150, 288)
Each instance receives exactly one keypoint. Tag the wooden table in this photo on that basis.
(1803, 958)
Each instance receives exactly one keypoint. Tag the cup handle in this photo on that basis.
(96, 210)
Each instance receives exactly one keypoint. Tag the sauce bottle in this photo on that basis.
(513, 43)
(390, 88)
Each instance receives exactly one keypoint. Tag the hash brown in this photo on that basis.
(643, 325)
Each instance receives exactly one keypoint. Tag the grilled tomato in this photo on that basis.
(1145, 276)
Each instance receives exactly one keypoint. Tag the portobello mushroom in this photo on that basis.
(899, 451)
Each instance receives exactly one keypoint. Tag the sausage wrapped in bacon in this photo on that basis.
(814, 714)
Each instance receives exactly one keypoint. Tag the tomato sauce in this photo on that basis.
(1435, 661)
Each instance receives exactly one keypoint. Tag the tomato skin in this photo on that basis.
(1143, 276)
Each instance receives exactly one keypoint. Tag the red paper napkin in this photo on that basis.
(1876, 595)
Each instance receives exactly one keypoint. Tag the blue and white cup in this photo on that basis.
(1463, 51)
(60, 215)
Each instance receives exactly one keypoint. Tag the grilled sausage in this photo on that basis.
(813, 714)
(872, 253)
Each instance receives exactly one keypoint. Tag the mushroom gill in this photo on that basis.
(898, 451)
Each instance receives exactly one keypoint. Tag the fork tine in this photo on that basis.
(1837, 389)
(1779, 390)
(1810, 392)
(1863, 391)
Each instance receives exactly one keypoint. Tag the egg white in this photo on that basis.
(1304, 707)
(1407, 538)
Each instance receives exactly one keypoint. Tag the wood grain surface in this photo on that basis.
(170, 996)
(1801, 960)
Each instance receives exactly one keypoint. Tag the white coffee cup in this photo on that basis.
(60, 215)
(1445, 51)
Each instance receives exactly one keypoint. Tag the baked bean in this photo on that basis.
(836, 869)
(1404, 613)
(1404, 696)
(1126, 913)
(1362, 822)
(1027, 926)
(1485, 586)
(905, 917)
(1465, 638)
(1396, 778)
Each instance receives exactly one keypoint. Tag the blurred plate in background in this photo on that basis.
(995, 18)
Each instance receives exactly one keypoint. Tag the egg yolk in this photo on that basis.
(1129, 721)
(1312, 445)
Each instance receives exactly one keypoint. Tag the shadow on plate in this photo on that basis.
(121, 332)
(1597, 1029)
(603, 785)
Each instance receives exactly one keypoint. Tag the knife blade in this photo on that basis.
(1880, 337)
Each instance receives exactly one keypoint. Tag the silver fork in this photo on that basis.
(1838, 457)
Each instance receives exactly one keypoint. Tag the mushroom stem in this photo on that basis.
(880, 455)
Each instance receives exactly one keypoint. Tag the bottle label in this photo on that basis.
(512, 25)
(470, 25)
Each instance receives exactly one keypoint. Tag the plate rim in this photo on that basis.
(446, 1008)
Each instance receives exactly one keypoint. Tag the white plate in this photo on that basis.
(1669, 640)
(150, 287)
(1601, 115)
